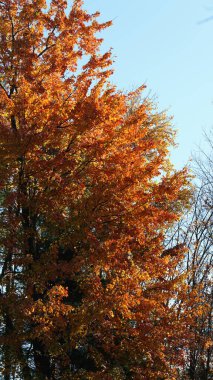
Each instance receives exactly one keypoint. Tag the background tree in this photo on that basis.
(87, 195)
(195, 232)
(200, 259)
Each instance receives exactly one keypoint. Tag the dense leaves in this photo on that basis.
(88, 290)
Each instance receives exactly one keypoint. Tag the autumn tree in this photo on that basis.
(88, 290)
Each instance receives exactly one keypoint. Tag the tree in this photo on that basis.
(199, 239)
(194, 230)
(87, 195)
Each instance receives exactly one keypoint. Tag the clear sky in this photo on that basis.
(164, 44)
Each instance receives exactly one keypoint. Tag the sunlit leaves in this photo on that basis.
(88, 194)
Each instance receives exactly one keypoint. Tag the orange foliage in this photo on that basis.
(87, 196)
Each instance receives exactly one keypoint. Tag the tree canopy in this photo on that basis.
(88, 290)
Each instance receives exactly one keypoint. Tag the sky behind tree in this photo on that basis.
(168, 46)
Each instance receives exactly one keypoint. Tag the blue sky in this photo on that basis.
(163, 44)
